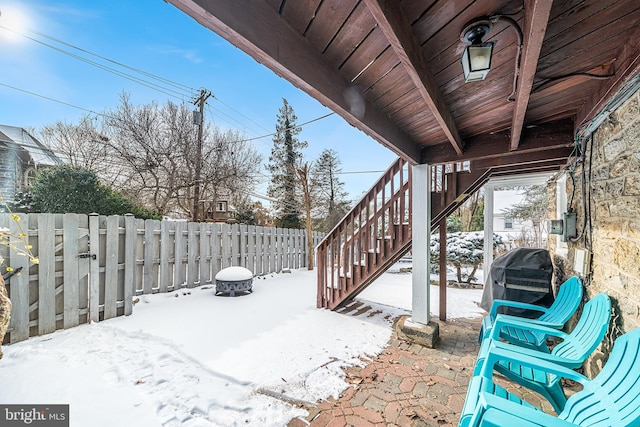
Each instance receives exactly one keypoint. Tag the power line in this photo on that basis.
(182, 92)
(170, 82)
(246, 117)
(221, 113)
(290, 127)
(149, 84)
(55, 100)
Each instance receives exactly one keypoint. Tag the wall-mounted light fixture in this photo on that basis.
(476, 58)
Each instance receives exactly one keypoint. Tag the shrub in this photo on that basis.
(66, 188)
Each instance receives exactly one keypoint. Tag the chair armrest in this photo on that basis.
(503, 320)
(547, 357)
(495, 417)
(509, 354)
(514, 304)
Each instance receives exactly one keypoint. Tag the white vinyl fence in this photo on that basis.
(91, 267)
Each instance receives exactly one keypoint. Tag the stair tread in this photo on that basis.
(350, 307)
(362, 310)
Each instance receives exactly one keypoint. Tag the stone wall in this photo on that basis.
(612, 231)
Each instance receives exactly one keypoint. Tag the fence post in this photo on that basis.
(70, 262)
(111, 267)
(19, 284)
(179, 276)
(94, 269)
(206, 259)
(259, 265)
(235, 245)
(46, 274)
(139, 256)
(216, 260)
(150, 270)
(278, 246)
(242, 243)
(286, 249)
(192, 247)
(251, 250)
(273, 249)
(225, 235)
(130, 232)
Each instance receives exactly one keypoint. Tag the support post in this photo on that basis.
(419, 329)
(420, 235)
(443, 269)
(488, 230)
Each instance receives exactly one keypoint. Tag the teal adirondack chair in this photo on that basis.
(571, 352)
(611, 399)
(564, 306)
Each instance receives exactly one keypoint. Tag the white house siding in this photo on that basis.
(9, 173)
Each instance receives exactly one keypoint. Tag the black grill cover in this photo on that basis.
(522, 274)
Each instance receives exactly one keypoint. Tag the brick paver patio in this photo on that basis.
(409, 385)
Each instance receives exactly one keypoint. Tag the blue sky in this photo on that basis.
(156, 37)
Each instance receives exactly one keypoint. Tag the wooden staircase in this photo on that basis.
(377, 231)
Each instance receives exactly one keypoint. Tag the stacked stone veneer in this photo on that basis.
(614, 232)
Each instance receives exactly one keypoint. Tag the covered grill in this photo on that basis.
(522, 274)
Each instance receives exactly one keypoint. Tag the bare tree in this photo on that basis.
(156, 148)
(302, 172)
(82, 145)
(230, 164)
(152, 145)
(470, 214)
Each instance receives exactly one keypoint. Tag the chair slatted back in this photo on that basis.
(566, 302)
(589, 331)
(613, 397)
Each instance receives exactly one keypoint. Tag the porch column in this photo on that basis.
(420, 235)
(488, 230)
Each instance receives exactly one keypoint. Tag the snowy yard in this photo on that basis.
(192, 359)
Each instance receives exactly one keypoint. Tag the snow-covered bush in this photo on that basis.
(464, 249)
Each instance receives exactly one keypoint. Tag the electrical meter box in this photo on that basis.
(556, 226)
(569, 226)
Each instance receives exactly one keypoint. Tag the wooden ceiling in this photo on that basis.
(392, 68)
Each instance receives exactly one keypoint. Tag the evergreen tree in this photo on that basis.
(331, 197)
(286, 154)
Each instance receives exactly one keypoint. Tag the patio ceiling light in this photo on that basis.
(476, 58)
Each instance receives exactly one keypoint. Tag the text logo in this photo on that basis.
(34, 415)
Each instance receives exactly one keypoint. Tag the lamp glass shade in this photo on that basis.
(476, 61)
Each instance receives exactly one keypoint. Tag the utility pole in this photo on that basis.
(200, 102)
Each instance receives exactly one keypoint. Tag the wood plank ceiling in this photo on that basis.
(392, 68)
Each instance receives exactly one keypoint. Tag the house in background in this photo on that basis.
(21, 156)
(216, 211)
(515, 232)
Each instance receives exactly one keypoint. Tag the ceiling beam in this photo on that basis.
(536, 18)
(525, 160)
(397, 30)
(542, 137)
(549, 166)
(258, 30)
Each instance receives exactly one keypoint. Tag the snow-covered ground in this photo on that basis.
(192, 359)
